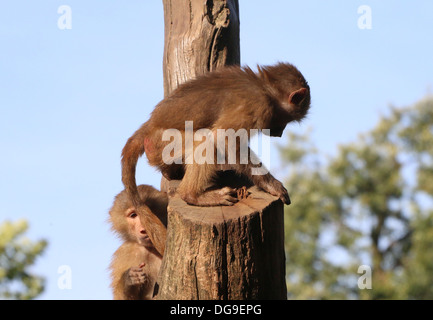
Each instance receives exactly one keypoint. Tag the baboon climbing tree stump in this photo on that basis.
(226, 252)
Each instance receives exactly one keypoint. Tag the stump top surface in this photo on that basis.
(256, 201)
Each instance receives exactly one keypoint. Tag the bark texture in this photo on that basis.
(220, 253)
(200, 35)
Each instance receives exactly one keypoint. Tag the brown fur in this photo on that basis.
(135, 265)
(153, 225)
(229, 98)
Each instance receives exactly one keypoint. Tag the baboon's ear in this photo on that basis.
(297, 96)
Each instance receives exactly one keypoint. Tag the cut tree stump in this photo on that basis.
(226, 252)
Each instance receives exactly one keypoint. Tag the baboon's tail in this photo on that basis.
(134, 149)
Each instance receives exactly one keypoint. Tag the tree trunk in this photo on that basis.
(222, 252)
(225, 253)
(199, 37)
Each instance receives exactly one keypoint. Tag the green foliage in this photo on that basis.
(17, 254)
(371, 204)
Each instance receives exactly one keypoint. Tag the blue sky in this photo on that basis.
(69, 99)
